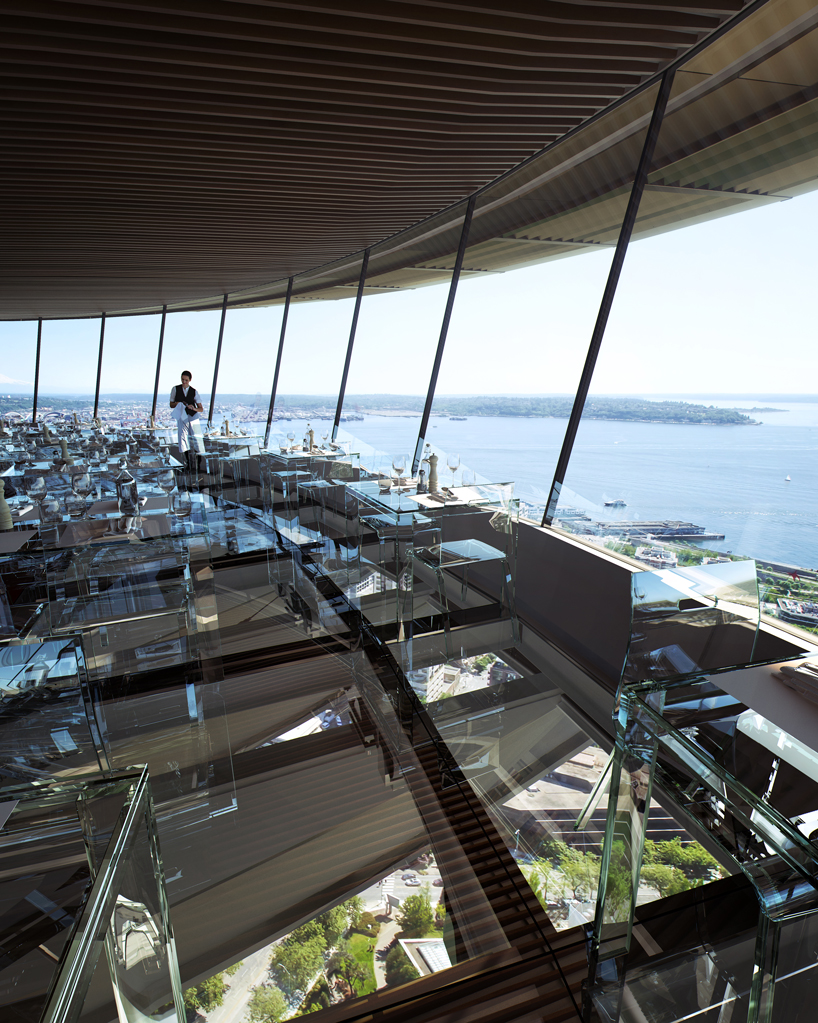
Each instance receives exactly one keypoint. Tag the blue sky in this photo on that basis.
(727, 306)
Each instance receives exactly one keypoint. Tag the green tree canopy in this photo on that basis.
(266, 1005)
(398, 968)
(415, 916)
(208, 995)
(299, 960)
(334, 922)
(354, 908)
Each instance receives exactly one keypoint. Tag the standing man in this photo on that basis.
(184, 400)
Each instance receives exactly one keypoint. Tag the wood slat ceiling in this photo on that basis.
(167, 152)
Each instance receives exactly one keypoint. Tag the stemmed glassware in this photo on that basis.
(166, 481)
(82, 486)
(453, 462)
(324, 436)
(399, 465)
(291, 438)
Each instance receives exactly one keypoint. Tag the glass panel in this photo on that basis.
(190, 344)
(697, 439)
(569, 201)
(312, 362)
(46, 720)
(395, 345)
(129, 370)
(19, 342)
(71, 911)
(688, 620)
(68, 367)
(246, 368)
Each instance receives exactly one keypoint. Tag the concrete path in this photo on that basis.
(385, 936)
(252, 972)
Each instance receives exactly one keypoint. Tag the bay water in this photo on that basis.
(729, 479)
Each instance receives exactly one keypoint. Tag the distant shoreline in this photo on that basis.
(297, 406)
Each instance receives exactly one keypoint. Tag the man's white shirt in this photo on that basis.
(180, 411)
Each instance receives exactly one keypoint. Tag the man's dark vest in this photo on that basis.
(192, 397)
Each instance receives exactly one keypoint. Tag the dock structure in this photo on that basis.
(666, 529)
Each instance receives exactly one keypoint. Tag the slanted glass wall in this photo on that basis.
(19, 346)
(715, 321)
(518, 340)
(397, 337)
(314, 350)
(391, 361)
(68, 366)
(128, 368)
(246, 368)
(190, 344)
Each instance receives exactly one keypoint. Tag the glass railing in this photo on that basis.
(97, 894)
(742, 780)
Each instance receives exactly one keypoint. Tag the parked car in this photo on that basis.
(533, 788)
(408, 877)
(438, 882)
(412, 882)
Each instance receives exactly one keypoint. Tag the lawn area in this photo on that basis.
(359, 947)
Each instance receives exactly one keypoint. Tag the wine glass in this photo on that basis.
(166, 481)
(291, 439)
(399, 465)
(324, 436)
(453, 462)
(82, 486)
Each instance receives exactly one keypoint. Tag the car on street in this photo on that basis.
(408, 877)
(533, 788)
(438, 882)
(412, 882)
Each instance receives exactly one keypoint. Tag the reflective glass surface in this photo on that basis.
(719, 465)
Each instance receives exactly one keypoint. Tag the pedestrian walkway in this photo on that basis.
(385, 936)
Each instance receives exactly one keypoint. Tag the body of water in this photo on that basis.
(729, 479)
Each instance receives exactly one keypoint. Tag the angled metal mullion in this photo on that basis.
(444, 330)
(99, 364)
(625, 232)
(216, 364)
(159, 359)
(278, 359)
(37, 371)
(345, 374)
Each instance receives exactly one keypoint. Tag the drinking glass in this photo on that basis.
(453, 462)
(81, 484)
(50, 509)
(324, 436)
(181, 504)
(399, 465)
(34, 487)
(166, 481)
(75, 505)
(291, 439)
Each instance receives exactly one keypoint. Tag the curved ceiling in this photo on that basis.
(169, 152)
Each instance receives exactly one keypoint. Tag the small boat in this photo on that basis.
(618, 503)
(788, 479)
(457, 419)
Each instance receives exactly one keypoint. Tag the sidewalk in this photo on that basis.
(252, 972)
(385, 936)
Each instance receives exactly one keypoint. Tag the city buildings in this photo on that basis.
(164, 161)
